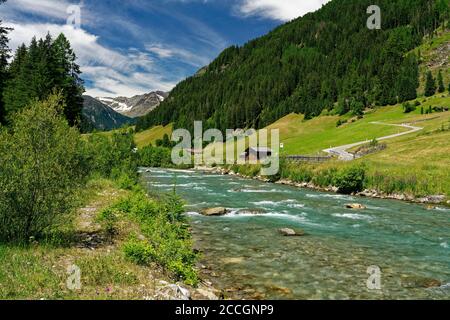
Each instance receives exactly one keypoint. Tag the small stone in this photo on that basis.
(355, 206)
(233, 260)
(287, 232)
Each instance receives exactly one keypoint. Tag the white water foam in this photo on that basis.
(259, 191)
(353, 216)
(290, 203)
(182, 185)
(296, 205)
(193, 213)
(326, 195)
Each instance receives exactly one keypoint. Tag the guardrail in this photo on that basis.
(308, 158)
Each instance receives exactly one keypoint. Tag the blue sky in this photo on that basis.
(132, 47)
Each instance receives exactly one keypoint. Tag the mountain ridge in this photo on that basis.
(98, 116)
(136, 106)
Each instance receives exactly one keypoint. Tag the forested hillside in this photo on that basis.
(324, 60)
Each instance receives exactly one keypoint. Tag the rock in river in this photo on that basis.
(287, 232)
(420, 282)
(355, 206)
(210, 212)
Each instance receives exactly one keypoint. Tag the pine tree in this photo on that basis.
(4, 55)
(408, 80)
(15, 94)
(67, 77)
(430, 85)
(441, 87)
(40, 69)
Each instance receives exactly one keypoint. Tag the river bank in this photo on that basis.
(46, 269)
(430, 200)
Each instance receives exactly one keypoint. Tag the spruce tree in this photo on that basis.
(441, 87)
(4, 55)
(40, 69)
(430, 85)
(67, 77)
(15, 93)
(408, 79)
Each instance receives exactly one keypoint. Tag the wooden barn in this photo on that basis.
(256, 153)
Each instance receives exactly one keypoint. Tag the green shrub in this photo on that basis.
(113, 157)
(408, 107)
(155, 157)
(41, 168)
(350, 180)
(108, 219)
(163, 224)
(140, 252)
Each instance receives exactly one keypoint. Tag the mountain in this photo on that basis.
(98, 116)
(136, 106)
(326, 61)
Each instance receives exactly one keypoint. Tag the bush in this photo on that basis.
(113, 157)
(155, 157)
(108, 219)
(41, 167)
(139, 252)
(350, 180)
(163, 224)
(408, 107)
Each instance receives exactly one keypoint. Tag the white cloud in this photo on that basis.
(56, 9)
(182, 55)
(111, 72)
(160, 51)
(283, 10)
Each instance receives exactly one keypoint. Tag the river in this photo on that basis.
(246, 256)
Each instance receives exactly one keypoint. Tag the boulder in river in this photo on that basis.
(420, 282)
(355, 206)
(287, 232)
(210, 212)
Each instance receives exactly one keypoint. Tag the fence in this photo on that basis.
(308, 158)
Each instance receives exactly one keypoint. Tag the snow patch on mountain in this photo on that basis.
(136, 106)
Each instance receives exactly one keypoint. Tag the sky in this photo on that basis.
(133, 47)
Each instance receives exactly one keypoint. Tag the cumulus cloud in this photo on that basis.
(110, 72)
(283, 10)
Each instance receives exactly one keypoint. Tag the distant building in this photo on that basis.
(256, 153)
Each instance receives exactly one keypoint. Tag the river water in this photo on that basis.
(247, 257)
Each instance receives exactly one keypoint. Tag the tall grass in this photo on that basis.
(165, 237)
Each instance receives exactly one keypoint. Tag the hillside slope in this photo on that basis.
(306, 66)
